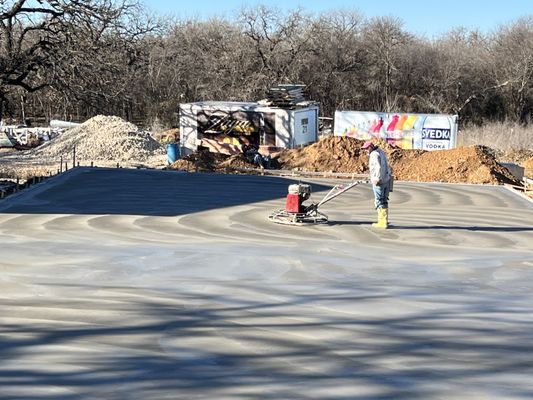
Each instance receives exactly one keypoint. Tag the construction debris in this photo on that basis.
(286, 96)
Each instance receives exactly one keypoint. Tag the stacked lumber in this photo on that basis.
(286, 96)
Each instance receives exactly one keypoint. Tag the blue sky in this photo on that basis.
(429, 18)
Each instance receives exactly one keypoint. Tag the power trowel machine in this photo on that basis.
(297, 213)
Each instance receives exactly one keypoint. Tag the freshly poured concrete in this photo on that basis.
(142, 284)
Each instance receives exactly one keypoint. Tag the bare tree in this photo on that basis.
(279, 42)
(512, 51)
(105, 56)
(385, 40)
(42, 42)
(335, 62)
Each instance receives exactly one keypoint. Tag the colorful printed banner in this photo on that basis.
(408, 131)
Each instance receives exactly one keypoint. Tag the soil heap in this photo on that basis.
(332, 153)
(474, 164)
(206, 161)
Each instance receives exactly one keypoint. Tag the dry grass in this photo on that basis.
(498, 136)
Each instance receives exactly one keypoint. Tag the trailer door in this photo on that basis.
(305, 126)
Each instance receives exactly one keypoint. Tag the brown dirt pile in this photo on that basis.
(343, 154)
(474, 164)
(205, 161)
(332, 153)
(461, 165)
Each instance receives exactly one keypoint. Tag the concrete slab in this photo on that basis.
(155, 284)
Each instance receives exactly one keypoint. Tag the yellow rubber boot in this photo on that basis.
(383, 219)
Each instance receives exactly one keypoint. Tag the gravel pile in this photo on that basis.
(106, 138)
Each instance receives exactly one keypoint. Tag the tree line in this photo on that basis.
(76, 59)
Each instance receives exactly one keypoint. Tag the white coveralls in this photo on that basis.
(380, 176)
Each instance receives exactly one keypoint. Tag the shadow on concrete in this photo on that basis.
(145, 192)
(467, 228)
(442, 227)
(358, 222)
(159, 349)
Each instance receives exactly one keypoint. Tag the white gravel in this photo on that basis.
(102, 140)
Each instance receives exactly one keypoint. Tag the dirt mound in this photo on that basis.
(462, 165)
(474, 164)
(102, 137)
(199, 161)
(332, 153)
(237, 161)
(205, 161)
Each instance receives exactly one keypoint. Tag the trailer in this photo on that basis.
(225, 127)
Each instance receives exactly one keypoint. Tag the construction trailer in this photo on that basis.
(225, 127)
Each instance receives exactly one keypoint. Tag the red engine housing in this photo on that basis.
(298, 193)
(293, 203)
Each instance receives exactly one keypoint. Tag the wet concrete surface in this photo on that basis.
(142, 284)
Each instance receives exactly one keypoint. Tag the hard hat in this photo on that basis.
(367, 144)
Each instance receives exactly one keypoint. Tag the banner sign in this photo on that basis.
(407, 131)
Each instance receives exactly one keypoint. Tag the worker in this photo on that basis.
(251, 152)
(381, 178)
